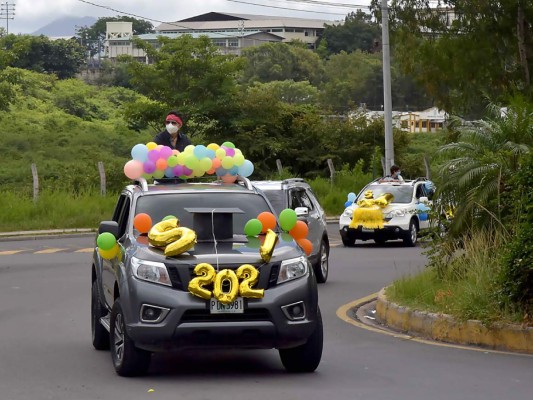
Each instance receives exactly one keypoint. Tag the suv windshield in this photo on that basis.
(401, 193)
(162, 205)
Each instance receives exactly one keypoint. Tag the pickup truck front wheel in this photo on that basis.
(100, 336)
(128, 360)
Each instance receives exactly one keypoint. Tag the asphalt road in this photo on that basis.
(46, 352)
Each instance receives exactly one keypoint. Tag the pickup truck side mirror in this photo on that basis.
(109, 226)
(302, 211)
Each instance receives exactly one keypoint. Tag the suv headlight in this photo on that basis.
(293, 269)
(348, 213)
(396, 213)
(150, 271)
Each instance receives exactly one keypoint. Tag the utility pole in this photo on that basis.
(387, 96)
(7, 12)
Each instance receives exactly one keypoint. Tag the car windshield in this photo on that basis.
(161, 205)
(401, 193)
(277, 199)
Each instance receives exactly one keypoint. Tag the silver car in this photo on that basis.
(296, 194)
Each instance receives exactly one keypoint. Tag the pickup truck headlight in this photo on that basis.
(293, 269)
(150, 271)
(396, 213)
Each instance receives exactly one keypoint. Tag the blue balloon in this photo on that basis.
(139, 152)
(246, 169)
(233, 170)
(351, 197)
(348, 203)
(221, 171)
(169, 173)
(210, 153)
(200, 151)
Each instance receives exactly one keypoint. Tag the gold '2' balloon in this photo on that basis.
(205, 276)
(174, 238)
(249, 276)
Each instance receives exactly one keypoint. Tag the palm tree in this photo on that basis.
(481, 163)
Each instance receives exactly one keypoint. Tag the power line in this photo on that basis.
(7, 12)
(282, 8)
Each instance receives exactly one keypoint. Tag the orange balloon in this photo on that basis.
(142, 222)
(268, 220)
(161, 164)
(216, 162)
(299, 231)
(228, 178)
(306, 245)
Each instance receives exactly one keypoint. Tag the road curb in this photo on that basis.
(45, 234)
(444, 328)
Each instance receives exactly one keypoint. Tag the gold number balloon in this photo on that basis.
(185, 239)
(163, 232)
(267, 249)
(206, 274)
(226, 275)
(249, 276)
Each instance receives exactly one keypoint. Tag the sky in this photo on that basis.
(31, 15)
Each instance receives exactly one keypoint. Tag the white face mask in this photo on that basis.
(172, 128)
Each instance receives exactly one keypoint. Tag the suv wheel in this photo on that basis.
(305, 358)
(322, 266)
(100, 336)
(127, 359)
(411, 236)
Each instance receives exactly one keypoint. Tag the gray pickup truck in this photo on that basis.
(141, 302)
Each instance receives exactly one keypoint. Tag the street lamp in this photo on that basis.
(387, 96)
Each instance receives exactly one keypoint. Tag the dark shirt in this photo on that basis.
(163, 138)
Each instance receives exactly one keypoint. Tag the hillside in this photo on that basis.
(65, 26)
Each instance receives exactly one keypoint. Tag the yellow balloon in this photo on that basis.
(220, 153)
(227, 162)
(189, 149)
(109, 254)
(213, 146)
(151, 145)
(267, 249)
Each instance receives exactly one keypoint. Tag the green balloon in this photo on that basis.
(168, 217)
(286, 237)
(253, 227)
(106, 241)
(228, 144)
(287, 219)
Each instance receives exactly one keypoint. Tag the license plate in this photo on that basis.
(237, 307)
(368, 230)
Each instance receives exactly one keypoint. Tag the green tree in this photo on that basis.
(190, 75)
(281, 61)
(475, 50)
(40, 54)
(479, 166)
(358, 32)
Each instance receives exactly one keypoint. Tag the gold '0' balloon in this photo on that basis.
(206, 275)
(226, 275)
(267, 249)
(249, 277)
(163, 232)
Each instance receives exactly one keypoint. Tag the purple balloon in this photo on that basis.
(230, 152)
(153, 155)
(165, 152)
(187, 171)
(149, 167)
(178, 170)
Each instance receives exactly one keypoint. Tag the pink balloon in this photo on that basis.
(165, 152)
(230, 152)
(178, 170)
(133, 169)
(228, 178)
(187, 171)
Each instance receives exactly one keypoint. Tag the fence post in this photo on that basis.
(428, 167)
(35, 182)
(101, 170)
(331, 170)
(280, 167)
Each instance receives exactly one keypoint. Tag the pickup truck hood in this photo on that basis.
(241, 250)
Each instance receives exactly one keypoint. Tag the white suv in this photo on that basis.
(403, 217)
